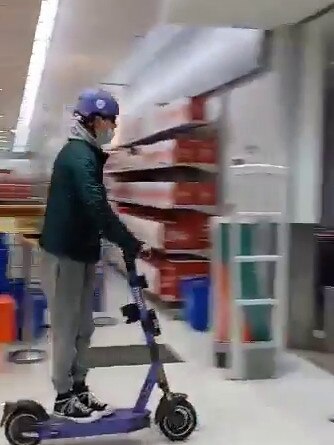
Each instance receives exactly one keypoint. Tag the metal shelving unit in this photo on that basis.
(199, 130)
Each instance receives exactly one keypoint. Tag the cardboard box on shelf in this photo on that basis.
(177, 232)
(159, 118)
(165, 194)
(164, 154)
(205, 193)
(207, 151)
(164, 275)
(15, 191)
(179, 112)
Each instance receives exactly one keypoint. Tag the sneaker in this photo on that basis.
(88, 399)
(72, 409)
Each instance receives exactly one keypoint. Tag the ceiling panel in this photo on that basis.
(89, 41)
(18, 19)
(264, 14)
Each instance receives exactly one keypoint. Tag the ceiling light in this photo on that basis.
(43, 35)
(1, 116)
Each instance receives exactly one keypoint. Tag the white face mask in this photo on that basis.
(105, 137)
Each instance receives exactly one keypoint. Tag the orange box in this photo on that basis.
(205, 193)
(172, 271)
(7, 319)
(186, 231)
(207, 152)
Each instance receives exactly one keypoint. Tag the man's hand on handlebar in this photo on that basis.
(145, 251)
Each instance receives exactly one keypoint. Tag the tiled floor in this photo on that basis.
(291, 410)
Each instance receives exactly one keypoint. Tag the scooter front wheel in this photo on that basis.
(20, 428)
(179, 422)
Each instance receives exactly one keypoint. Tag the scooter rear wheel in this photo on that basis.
(179, 423)
(20, 428)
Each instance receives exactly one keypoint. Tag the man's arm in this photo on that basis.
(94, 197)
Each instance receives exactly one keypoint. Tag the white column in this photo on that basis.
(298, 58)
(307, 169)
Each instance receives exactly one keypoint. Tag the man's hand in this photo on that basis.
(146, 251)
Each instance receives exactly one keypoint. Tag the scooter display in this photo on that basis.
(26, 422)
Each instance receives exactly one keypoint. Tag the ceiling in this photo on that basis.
(263, 14)
(89, 40)
(18, 19)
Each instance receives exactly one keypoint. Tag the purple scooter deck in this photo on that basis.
(122, 421)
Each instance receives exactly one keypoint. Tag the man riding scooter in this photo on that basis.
(77, 217)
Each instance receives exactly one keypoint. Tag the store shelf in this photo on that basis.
(211, 168)
(205, 253)
(210, 210)
(169, 133)
(176, 153)
(168, 210)
(165, 194)
(17, 209)
(163, 122)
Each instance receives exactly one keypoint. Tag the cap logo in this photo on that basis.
(100, 104)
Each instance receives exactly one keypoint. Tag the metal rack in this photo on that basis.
(28, 354)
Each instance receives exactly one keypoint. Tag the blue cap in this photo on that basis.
(97, 102)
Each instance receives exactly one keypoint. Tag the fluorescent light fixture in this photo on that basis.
(43, 36)
(1, 116)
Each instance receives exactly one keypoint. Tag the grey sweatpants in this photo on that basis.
(69, 287)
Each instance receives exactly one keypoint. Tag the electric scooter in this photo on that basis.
(26, 422)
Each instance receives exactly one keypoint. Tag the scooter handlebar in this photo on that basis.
(130, 264)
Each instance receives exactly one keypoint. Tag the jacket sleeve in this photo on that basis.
(94, 197)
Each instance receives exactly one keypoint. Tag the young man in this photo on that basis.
(77, 217)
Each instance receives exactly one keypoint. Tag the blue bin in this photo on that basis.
(4, 255)
(40, 307)
(4, 282)
(195, 296)
(16, 289)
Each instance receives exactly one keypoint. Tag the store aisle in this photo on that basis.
(288, 411)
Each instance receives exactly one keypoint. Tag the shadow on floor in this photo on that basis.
(323, 360)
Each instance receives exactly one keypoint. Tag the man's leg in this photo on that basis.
(63, 283)
(86, 330)
(86, 326)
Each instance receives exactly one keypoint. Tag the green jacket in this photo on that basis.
(77, 213)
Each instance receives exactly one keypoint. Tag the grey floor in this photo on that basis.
(323, 360)
(291, 410)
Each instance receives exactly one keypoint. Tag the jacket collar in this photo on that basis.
(101, 155)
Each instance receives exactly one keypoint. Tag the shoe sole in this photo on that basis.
(93, 418)
(107, 413)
